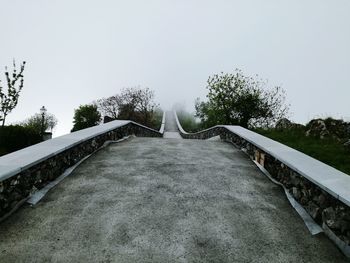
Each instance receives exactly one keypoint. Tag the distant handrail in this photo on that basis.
(182, 131)
(186, 134)
(161, 130)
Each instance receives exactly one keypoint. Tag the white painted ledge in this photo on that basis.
(333, 181)
(326, 177)
(161, 130)
(179, 124)
(18, 161)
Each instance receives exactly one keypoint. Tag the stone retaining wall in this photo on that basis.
(322, 207)
(18, 187)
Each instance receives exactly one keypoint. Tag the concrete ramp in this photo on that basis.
(163, 200)
(171, 131)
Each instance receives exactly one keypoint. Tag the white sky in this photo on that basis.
(78, 51)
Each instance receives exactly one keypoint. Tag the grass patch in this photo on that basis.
(188, 122)
(329, 151)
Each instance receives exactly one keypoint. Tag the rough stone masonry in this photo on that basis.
(163, 200)
(14, 190)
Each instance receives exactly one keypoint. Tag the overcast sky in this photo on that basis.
(79, 51)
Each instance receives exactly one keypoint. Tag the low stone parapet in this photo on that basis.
(24, 171)
(322, 190)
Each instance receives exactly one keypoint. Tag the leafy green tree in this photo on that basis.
(235, 99)
(86, 116)
(9, 99)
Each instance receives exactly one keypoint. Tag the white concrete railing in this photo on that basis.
(331, 180)
(326, 177)
(182, 131)
(161, 130)
(16, 162)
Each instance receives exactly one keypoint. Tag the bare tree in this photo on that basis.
(138, 104)
(135, 104)
(146, 105)
(9, 99)
(109, 106)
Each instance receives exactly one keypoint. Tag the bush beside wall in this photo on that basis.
(16, 137)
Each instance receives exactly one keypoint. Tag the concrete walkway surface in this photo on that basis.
(170, 130)
(163, 200)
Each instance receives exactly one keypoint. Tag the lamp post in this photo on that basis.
(43, 110)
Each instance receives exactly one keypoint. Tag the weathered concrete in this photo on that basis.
(170, 122)
(163, 200)
(172, 135)
(24, 171)
(322, 190)
(171, 131)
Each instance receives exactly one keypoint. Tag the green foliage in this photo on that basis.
(329, 151)
(188, 121)
(36, 122)
(235, 99)
(86, 116)
(9, 99)
(157, 119)
(16, 137)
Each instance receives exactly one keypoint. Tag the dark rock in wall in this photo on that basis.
(313, 210)
(18, 187)
(321, 206)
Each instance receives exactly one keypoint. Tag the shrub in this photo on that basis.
(16, 137)
(188, 121)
